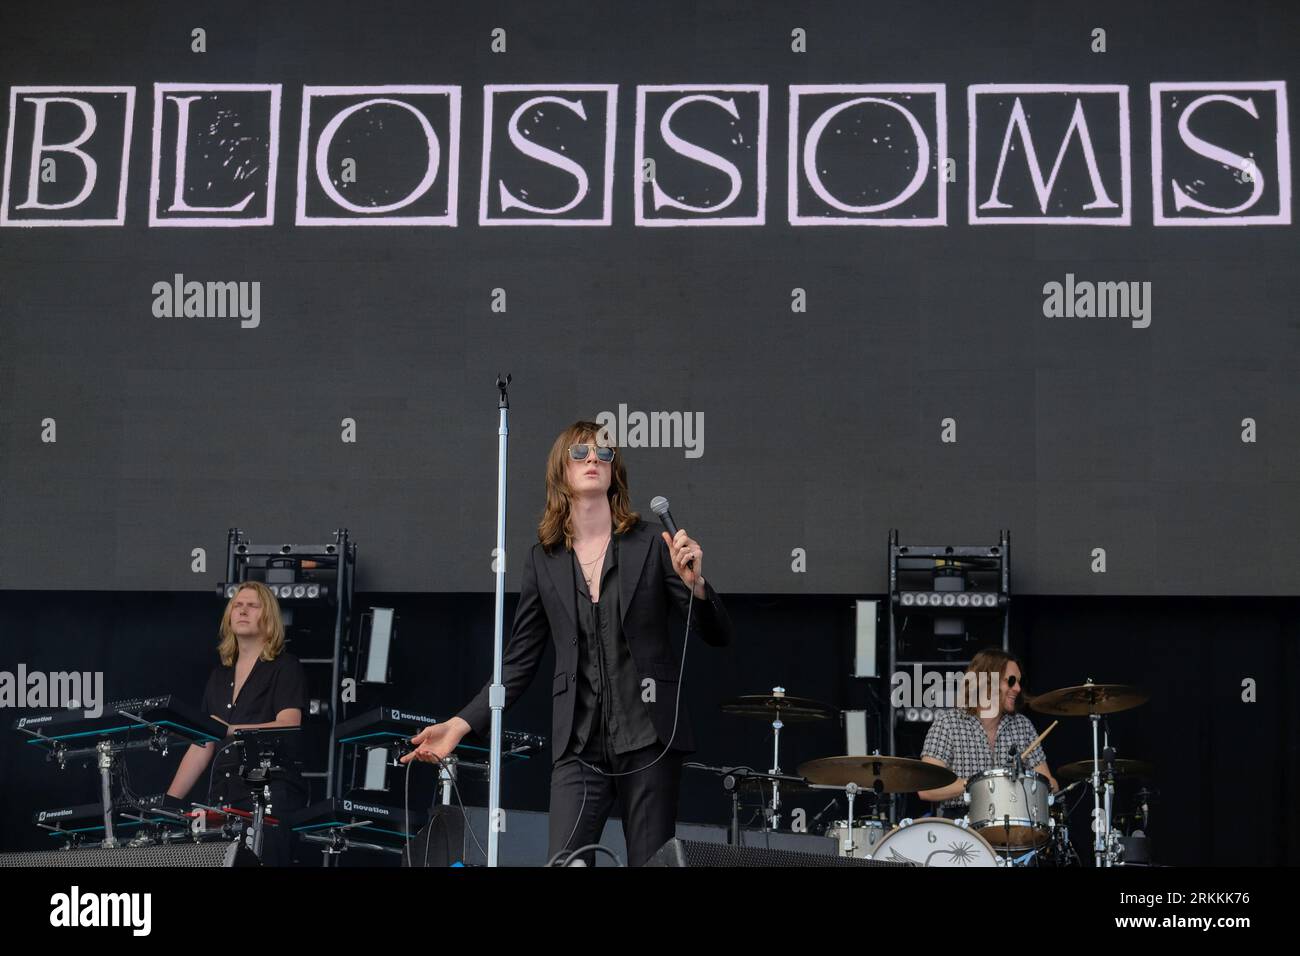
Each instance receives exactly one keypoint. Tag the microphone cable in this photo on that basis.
(406, 813)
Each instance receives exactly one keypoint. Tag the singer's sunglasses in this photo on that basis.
(603, 452)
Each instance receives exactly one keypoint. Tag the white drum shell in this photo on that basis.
(934, 841)
(1010, 812)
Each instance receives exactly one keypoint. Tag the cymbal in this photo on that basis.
(771, 706)
(1089, 699)
(896, 774)
(1082, 769)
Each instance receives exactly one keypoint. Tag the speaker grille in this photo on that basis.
(697, 853)
(223, 853)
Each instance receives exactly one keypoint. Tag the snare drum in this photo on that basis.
(934, 841)
(866, 835)
(1010, 812)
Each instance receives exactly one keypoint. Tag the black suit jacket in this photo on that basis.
(548, 611)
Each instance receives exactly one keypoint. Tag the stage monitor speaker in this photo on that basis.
(682, 853)
(209, 854)
(441, 842)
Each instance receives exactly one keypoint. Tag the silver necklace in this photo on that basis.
(588, 564)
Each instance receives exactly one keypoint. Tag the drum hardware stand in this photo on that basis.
(497, 691)
(1114, 836)
(851, 790)
(1100, 824)
(776, 763)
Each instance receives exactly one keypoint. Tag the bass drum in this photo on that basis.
(934, 841)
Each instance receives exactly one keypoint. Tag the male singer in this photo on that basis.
(598, 584)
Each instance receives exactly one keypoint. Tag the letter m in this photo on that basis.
(1092, 156)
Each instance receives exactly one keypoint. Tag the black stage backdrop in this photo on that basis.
(1226, 770)
(841, 373)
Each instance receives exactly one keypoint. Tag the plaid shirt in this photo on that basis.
(958, 739)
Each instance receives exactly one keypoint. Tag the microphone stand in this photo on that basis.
(732, 779)
(497, 692)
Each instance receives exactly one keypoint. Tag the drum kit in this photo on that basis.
(1012, 817)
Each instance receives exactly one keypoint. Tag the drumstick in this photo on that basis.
(1038, 740)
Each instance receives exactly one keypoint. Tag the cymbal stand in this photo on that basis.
(851, 790)
(1114, 847)
(1100, 825)
(774, 816)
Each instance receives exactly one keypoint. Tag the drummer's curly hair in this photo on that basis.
(994, 660)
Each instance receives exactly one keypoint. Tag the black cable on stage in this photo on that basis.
(406, 810)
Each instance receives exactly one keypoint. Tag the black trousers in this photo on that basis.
(581, 800)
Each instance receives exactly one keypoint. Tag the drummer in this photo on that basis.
(969, 741)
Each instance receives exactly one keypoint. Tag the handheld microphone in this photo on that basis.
(659, 506)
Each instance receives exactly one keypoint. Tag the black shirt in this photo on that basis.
(609, 714)
(271, 686)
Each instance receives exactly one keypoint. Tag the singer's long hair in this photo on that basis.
(270, 623)
(994, 660)
(556, 526)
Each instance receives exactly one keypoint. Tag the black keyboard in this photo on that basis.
(64, 817)
(167, 712)
(340, 811)
(384, 725)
